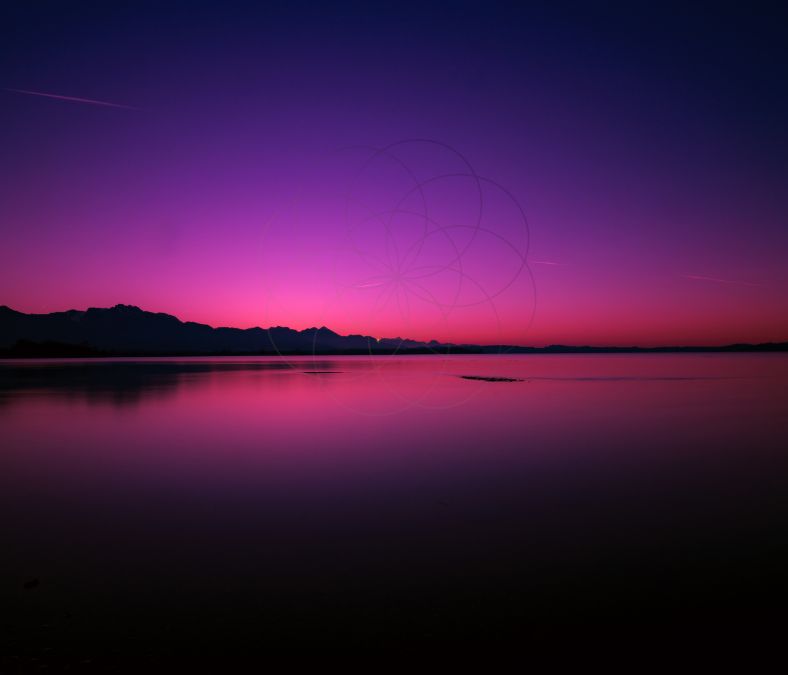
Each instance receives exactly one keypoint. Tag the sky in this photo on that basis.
(463, 171)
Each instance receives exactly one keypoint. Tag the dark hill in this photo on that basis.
(125, 329)
(128, 330)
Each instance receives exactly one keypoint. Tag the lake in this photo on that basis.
(153, 507)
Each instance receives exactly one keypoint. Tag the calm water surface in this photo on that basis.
(151, 506)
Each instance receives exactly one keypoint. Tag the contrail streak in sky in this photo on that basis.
(74, 99)
(698, 277)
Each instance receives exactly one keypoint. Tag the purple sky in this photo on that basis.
(199, 160)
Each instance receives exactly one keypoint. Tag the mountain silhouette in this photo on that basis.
(129, 330)
(125, 329)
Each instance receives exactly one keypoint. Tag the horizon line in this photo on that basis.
(674, 346)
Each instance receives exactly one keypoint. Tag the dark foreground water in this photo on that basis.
(187, 508)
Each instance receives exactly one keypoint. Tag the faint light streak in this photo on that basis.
(73, 99)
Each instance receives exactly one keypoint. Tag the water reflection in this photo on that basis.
(125, 382)
(159, 501)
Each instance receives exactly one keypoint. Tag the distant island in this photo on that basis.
(125, 330)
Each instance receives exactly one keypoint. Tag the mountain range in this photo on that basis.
(128, 330)
(125, 329)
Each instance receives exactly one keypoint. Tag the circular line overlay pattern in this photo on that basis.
(416, 245)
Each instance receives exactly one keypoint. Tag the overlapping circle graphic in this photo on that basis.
(422, 245)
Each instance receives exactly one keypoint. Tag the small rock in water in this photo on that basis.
(491, 379)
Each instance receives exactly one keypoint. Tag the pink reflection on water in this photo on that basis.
(245, 489)
(238, 420)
